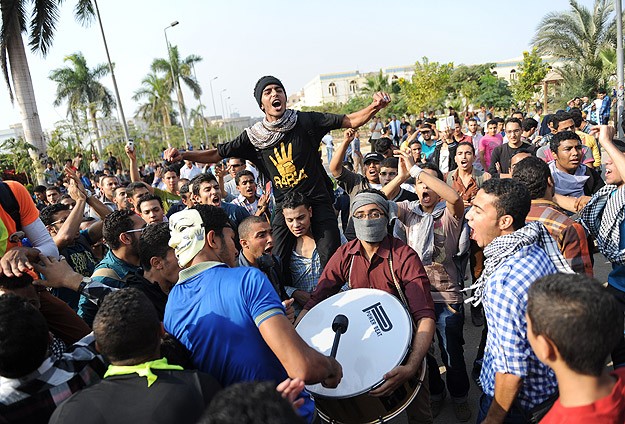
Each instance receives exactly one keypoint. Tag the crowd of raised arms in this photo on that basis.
(180, 292)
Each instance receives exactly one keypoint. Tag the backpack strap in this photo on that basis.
(10, 205)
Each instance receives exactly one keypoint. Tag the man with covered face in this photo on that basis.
(376, 259)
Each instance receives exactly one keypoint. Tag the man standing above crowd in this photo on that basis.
(284, 147)
(513, 380)
(214, 308)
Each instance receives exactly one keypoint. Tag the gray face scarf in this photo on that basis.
(371, 230)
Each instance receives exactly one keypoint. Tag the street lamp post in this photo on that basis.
(176, 85)
(117, 97)
(201, 108)
(619, 68)
(212, 96)
(223, 112)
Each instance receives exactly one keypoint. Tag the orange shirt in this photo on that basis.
(28, 214)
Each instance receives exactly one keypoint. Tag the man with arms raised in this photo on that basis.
(231, 318)
(516, 254)
(284, 147)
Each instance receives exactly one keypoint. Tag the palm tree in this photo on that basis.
(157, 108)
(80, 86)
(578, 36)
(181, 69)
(376, 82)
(42, 24)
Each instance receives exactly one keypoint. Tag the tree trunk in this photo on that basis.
(96, 131)
(25, 96)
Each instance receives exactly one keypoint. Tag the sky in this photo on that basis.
(294, 40)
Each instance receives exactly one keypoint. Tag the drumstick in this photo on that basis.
(339, 326)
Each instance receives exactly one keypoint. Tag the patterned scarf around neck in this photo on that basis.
(422, 234)
(503, 247)
(265, 134)
(602, 217)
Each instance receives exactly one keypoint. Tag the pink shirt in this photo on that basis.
(488, 144)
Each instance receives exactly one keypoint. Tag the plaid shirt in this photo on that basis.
(570, 235)
(507, 349)
(33, 398)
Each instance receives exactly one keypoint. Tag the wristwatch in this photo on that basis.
(84, 283)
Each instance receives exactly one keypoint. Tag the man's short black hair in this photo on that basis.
(576, 116)
(601, 91)
(560, 117)
(383, 144)
(514, 121)
(172, 168)
(23, 337)
(130, 188)
(467, 144)
(245, 227)
(47, 214)
(213, 218)
(14, 283)
(39, 189)
(432, 166)
(241, 174)
(579, 316)
(528, 123)
(116, 223)
(54, 188)
(512, 198)
(126, 327)
(534, 173)
(250, 403)
(389, 163)
(154, 241)
(197, 181)
(146, 198)
(561, 136)
(491, 122)
(294, 199)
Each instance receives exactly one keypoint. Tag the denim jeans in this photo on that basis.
(515, 415)
(449, 324)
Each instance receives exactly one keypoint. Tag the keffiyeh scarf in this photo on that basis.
(264, 134)
(602, 217)
(501, 248)
(422, 233)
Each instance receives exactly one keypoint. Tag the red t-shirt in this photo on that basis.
(608, 410)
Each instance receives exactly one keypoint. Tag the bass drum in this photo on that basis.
(378, 338)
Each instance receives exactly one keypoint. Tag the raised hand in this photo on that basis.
(172, 155)
(381, 100)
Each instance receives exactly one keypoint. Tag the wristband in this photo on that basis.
(415, 171)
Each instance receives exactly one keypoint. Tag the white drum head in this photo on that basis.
(376, 341)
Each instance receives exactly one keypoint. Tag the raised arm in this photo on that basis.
(606, 134)
(134, 168)
(336, 164)
(67, 233)
(204, 156)
(100, 208)
(361, 117)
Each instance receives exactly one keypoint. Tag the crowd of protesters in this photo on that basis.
(170, 292)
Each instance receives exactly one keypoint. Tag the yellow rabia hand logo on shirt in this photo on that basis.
(283, 161)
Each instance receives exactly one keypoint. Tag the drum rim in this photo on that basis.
(401, 409)
(381, 380)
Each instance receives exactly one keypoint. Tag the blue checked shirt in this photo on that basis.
(507, 349)
(305, 273)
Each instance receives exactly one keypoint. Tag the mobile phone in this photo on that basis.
(131, 145)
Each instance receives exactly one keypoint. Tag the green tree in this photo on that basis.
(157, 106)
(494, 92)
(182, 70)
(465, 82)
(18, 158)
(578, 36)
(78, 85)
(429, 86)
(39, 21)
(530, 74)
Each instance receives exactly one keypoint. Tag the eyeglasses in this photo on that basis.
(237, 165)
(390, 174)
(136, 230)
(370, 215)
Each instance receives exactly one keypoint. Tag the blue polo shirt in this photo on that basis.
(215, 311)
(616, 278)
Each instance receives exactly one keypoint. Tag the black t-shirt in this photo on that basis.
(293, 163)
(80, 257)
(175, 397)
(151, 290)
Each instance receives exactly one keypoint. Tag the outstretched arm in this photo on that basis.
(357, 119)
(203, 156)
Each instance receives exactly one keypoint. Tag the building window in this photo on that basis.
(332, 89)
(512, 75)
(353, 87)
